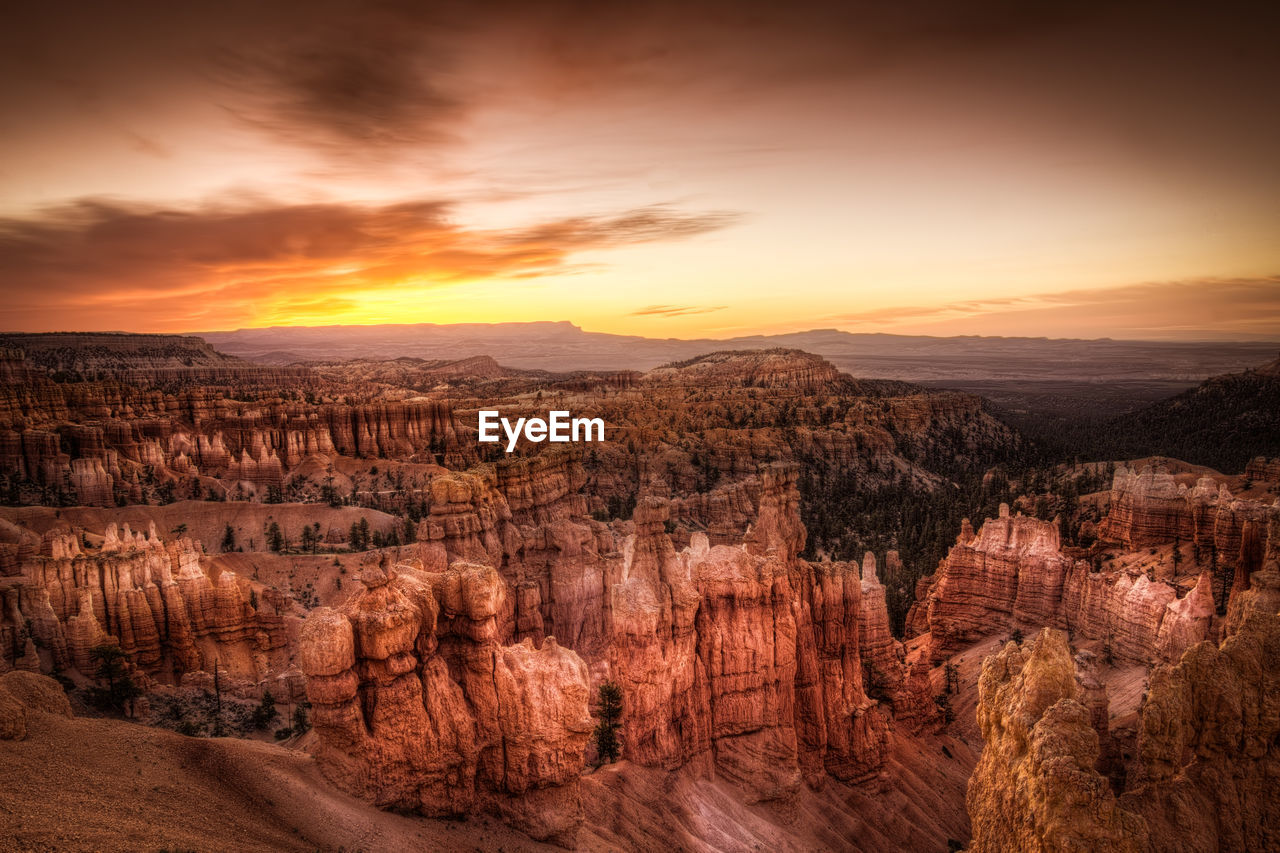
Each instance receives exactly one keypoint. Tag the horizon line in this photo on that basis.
(572, 324)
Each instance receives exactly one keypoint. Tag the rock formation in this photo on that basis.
(22, 693)
(1263, 468)
(882, 655)
(459, 676)
(1012, 571)
(742, 659)
(1150, 507)
(1014, 574)
(1209, 740)
(418, 705)
(146, 360)
(747, 655)
(153, 597)
(1208, 744)
(119, 438)
(1036, 787)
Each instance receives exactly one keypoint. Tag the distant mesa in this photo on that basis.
(562, 346)
(138, 359)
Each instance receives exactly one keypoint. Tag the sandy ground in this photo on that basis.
(111, 786)
(964, 703)
(915, 803)
(105, 785)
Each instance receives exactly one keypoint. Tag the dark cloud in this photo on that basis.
(645, 225)
(358, 78)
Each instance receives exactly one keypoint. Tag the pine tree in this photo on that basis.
(943, 701)
(275, 538)
(217, 692)
(952, 678)
(301, 722)
(606, 733)
(228, 539)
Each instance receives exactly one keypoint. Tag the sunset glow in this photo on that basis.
(671, 170)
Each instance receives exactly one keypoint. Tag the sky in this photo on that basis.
(668, 169)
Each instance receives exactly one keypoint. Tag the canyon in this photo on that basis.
(336, 535)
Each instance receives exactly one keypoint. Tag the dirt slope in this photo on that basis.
(105, 785)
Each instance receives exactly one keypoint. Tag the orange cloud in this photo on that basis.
(102, 264)
(676, 310)
(1211, 308)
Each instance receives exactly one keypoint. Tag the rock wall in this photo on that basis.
(1150, 507)
(743, 659)
(1011, 571)
(747, 655)
(1263, 468)
(138, 359)
(1014, 574)
(151, 597)
(93, 441)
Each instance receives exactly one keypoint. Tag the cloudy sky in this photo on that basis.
(679, 169)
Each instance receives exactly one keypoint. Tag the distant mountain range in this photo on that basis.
(562, 346)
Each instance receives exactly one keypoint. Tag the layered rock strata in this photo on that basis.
(1014, 574)
(741, 659)
(1149, 507)
(100, 442)
(1263, 468)
(1209, 739)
